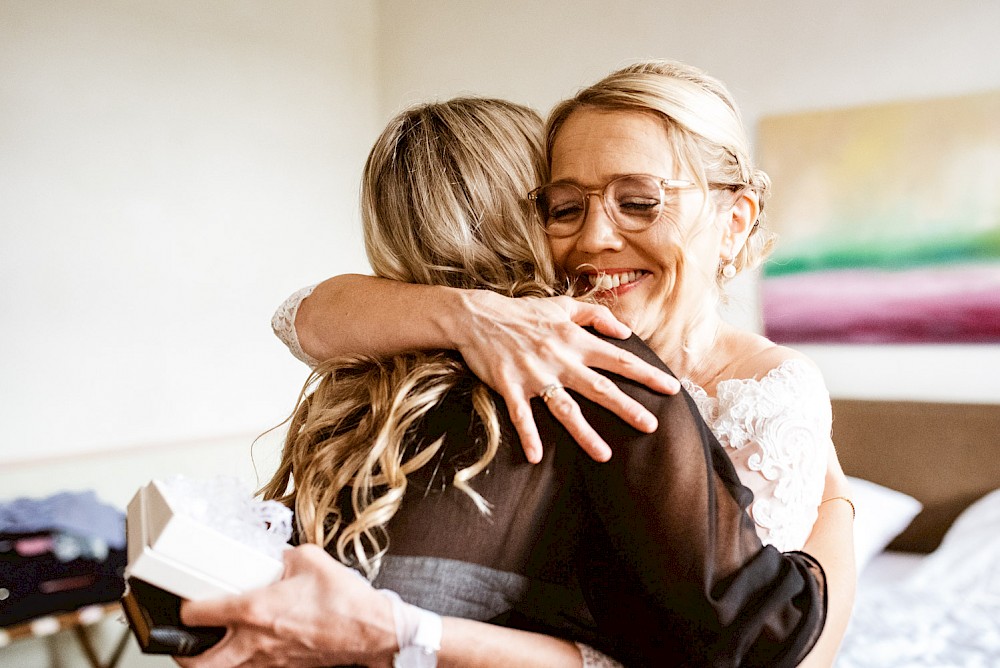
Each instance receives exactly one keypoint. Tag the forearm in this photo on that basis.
(469, 644)
(353, 314)
(516, 346)
(321, 613)
(832, 544)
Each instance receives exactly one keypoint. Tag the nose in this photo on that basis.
(598, 231)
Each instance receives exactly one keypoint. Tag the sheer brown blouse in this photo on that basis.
(650, 557)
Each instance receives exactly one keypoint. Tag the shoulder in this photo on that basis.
(783, 374)
(761, 357)
(776, 397)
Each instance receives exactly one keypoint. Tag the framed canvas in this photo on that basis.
(889, 223)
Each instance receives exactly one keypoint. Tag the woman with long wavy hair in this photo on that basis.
(404, 468)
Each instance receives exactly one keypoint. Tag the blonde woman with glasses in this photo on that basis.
(404, 468)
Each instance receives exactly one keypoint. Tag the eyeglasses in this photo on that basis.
(633, 202)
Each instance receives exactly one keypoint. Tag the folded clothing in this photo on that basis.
(74, 513)
(58, 554)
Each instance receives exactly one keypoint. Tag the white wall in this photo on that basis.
(777, 57)
(169, 172)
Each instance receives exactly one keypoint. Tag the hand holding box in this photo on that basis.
(172, 545)
(196, 540)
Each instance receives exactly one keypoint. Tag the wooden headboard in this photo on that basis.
(944, 455)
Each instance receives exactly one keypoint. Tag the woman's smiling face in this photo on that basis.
(658, 275)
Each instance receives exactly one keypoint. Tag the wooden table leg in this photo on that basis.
(88, 648)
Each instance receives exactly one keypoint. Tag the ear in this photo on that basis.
(738, 223)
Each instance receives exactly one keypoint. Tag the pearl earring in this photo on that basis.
(728, 269)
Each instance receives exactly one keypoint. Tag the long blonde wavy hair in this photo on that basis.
(443, 203)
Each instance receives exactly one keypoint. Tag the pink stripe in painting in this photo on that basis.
(953, 304)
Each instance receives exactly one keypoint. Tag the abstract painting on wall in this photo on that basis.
(889, 223)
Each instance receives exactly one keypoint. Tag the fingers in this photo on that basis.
(302, 557)
(601, 390)
(572, 370)
(228, 653)
(539, 342)
(600, 318)
(611, 358)
(215, 612)
(222, 654)
(524, 424)
(604, 355)
(567, 412)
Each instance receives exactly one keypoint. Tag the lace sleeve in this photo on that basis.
(283, 324)
(594, 659)
(777, 432)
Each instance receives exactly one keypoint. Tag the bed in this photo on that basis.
(928, 531)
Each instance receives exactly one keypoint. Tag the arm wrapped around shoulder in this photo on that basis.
(674, 571)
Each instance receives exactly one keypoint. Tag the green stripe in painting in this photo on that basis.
(890, 254)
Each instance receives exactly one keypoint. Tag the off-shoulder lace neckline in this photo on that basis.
(786, 366)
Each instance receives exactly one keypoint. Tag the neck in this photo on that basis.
(689, 346)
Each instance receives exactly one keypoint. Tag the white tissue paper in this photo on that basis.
(203, 539)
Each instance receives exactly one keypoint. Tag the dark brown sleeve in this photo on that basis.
(673, 570)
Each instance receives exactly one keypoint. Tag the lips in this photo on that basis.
(609, 280)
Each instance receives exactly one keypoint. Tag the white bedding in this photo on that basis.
(888, 568)
(938, 611)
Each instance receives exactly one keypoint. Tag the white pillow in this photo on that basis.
(980, 519)
(882, 514)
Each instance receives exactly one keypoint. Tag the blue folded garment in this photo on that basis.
(76, 513)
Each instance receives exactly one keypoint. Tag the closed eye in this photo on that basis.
(567, 211)
(638, 205)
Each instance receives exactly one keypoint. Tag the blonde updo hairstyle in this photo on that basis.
(703, 123)
(442, 203)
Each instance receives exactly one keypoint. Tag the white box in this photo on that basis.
(187, 558)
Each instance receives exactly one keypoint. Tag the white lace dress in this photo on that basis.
(776, 429)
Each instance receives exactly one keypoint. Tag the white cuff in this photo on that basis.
(418, 634)
(283, 324)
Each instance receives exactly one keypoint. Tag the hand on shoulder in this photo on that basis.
(530, 347)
